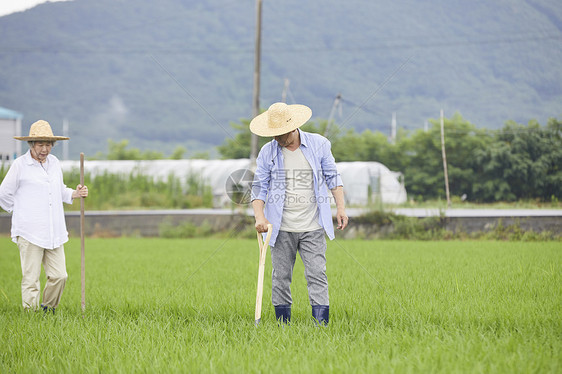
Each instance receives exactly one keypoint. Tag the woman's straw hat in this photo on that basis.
(280, 119)
(41, 130)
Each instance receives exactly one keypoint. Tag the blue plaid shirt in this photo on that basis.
(269, 180)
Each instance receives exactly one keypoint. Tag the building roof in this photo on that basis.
(9, 114)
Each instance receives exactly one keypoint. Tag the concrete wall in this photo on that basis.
(463, 224)
(476, 224)
(147, 223)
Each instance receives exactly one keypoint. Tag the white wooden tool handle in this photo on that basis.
(262, 254)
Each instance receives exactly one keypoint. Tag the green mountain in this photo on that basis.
(177, 72)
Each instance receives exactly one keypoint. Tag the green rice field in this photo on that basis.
(187, 306)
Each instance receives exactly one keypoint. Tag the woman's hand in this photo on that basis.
(80, 191)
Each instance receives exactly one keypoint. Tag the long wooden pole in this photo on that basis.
(82, 246)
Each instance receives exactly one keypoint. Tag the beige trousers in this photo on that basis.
(54, 263)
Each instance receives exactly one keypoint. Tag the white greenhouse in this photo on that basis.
(364, 182)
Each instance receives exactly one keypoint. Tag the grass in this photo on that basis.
(457, 203)
(168, 305)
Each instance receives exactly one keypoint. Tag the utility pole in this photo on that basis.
(65, 144)
(256, 98)
(286, 83)
(393, 128)
(445, 160)
(334, 107)
(337, 103)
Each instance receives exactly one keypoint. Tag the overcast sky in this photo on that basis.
(11, 6)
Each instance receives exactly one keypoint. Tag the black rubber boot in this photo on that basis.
(47, 309)
(283, 313)
(321, 314)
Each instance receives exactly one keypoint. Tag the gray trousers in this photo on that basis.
(312, 249)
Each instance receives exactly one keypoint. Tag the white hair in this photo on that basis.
(31, 143)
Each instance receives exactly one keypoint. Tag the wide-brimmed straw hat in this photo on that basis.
(280, 119)
(41, 130)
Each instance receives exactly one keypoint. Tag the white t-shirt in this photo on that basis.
(300, 211)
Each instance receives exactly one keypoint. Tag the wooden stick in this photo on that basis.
(263, 251)
(83, 252)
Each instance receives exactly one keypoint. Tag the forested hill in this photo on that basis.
(177, 72)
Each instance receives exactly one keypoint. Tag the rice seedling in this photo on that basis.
(187, 305)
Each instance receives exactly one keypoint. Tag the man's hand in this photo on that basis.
(261, 221)
(261, 224)
(340, 205)
(342, 219)
(81, 191)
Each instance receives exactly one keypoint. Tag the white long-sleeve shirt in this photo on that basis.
(34, 193)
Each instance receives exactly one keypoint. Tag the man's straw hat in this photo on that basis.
(280, 119)
(41, 130)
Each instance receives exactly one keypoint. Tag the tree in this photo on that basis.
(514, 163)
(239, 147)
(178, 153)
(424, 172)
(523, 162)
(119, 151)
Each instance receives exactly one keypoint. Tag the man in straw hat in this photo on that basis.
(33, 190)
(290, 190)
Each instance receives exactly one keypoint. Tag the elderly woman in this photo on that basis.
(33, 190)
